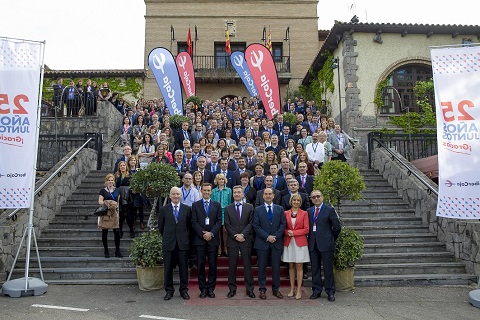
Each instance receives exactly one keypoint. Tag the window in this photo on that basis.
(182, 47)
(398, 96)
(277, 51)
(222, 59)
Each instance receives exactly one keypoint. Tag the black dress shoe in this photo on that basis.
(203, 294)
(185, 296)
(251, 294)
(168, 296)
(315, 295)
(118, 254)
(278, 294)
(331, 297)
(262, 295)
(211, 294)
(231, 294)
(106, 254)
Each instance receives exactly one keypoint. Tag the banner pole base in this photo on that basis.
(16, 288)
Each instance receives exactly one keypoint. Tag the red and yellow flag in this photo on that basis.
(189, 43)
(227, 44)
(269, 41)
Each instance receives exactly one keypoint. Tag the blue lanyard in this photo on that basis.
(208, 208)
(113, 195)
(315, 149)
(246, 190)
(313, 213)
(185, 196)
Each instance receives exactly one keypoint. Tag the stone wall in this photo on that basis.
(46, 204)
(461, 237)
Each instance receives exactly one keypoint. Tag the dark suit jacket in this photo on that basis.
(277, 199)
(198, 222)
(308, 183)
(122, 158)
(175, 233)
(235, 136)
(179, 137)
(263, 228)
(220, 132)
(328, 228)
(281, 140)
(182, 170)
(250, 195)
(281, 183)
(233, 178)
(277, 127)
(209, 167)
(207, 176)
(235, 226)
(305, 201)
(250, 172)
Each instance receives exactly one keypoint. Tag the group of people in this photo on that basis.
(247, 183)
(78, 99)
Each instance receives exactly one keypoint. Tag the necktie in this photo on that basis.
(188, 161)
(270, 214)
(175, 213)
(317, 210)
(214, 167)
(185, 134)
(303, 181)
(206, 207)
(275, 182)
(249, 162)
(238, 211)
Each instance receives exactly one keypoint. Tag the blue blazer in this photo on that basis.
(234, 134)
(328, 229)
(263, 228)
(198, 222)
(281, 183)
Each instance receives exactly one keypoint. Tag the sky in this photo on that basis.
(110, 34)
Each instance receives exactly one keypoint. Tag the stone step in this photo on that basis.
(394, 229)
(90, 233)
(376, 213)
(380, 194)
(415, 280)
(368, 205)
(381, 221)
(406, 257)
(98, 261)
(89, 223)
(97, 273)
(96, 242)
(82, 251)
(377, 183)
(403, 247)
(374, 200)
(378, 188)
(84, 216)
(409, 268)
(398, 238)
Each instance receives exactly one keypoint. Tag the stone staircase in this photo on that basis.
(399, 250)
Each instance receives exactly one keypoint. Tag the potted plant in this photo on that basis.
(291, 119)
(348, 249)
(176, 121)
(338, 181)
(147, 255)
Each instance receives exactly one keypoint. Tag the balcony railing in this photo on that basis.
(222, 64)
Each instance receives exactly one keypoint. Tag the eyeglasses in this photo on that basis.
(315, 197)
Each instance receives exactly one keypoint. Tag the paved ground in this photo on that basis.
(128, 302)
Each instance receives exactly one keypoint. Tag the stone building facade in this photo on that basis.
(292, 24)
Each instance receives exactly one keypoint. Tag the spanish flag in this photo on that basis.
(269, 41)
(189, 43)
(227, 44)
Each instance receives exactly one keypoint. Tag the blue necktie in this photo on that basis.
(176, 214)
(270, 214)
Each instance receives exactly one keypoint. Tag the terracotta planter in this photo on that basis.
(344, 280)
(150, 278)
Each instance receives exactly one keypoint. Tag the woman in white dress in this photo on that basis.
(295, 245)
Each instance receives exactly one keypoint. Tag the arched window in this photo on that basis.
(399, 97)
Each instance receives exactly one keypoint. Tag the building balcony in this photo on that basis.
(218, 69)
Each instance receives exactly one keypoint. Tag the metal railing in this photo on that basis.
(217, 63)
(411, 146)
(374, 137)
(52, 148)
(37, 191)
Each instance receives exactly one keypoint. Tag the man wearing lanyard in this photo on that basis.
(238, 222)
(324, 229)
(189, 194)
(206, 222)
(174, 225)
(315, 151)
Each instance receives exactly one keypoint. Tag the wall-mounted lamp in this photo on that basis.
(429, 34)
(196, 33)
(172, 33)
(264, 34)
(378, 37)
(404, 33)
(354, 19)
(336, 65)
(455, 34)
(287, 34)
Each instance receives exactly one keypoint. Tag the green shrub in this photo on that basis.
(348, 249)
(176, 121)
(146, 250)
(155, 180)
(290, 118)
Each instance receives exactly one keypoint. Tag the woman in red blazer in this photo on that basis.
(295, 248)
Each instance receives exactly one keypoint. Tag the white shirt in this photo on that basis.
(315, 151)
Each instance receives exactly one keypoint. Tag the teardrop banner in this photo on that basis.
(260, 61)
(163, 66)
(186, 73)
(238, 61)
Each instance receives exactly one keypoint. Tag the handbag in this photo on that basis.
(100, 211)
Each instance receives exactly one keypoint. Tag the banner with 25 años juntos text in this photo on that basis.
(186, 73)
(238, 61)
(163, 66)
(456, 76)
(20, 72)
(260, 62)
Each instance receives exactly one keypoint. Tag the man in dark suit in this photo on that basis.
(238, 222)
(293, 189)
(324, 230)
(127, 152)
(279, 182)
(233, 177)
(237, 131)
(242, 167)
(277, 198)
(206, 222)
(207, 174)
(179, 165)
(279, 123)
(181, 135)
(213, 165)
(269, 224)
(305, 180)
(174, 222)
(284, 136)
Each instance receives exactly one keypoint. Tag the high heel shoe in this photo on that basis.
(291, 294)
(118, 254)
(299, 295)
(106, 254)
